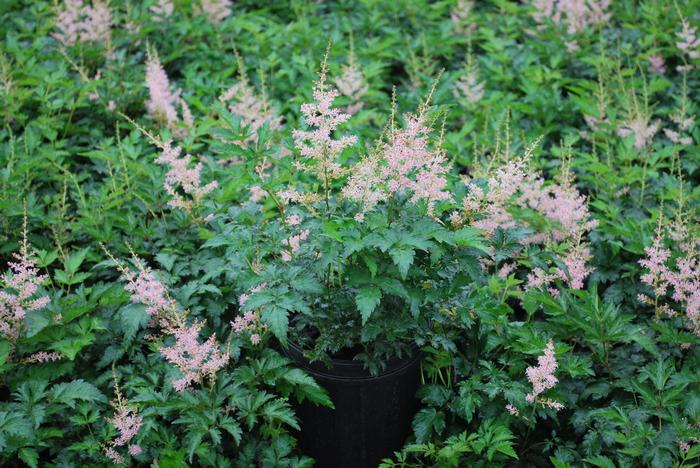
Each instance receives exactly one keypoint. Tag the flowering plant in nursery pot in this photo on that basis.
(340, 262)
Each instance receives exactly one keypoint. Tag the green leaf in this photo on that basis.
(166, 260)
(231, 426)
(403, 258)
(471, 237)
(68, 393)
(74, 261)
(601, 461)
(367, 300)
(306, 387)
(371, 264)
(132, 317)
(427, 421)
(277, 319)
(29, 456)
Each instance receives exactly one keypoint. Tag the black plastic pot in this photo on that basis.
(372, 415)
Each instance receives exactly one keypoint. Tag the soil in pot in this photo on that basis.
(372, 415)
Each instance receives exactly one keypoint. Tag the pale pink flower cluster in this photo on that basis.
(675, 276)
(657, 65)
(560, 204)
(459, 15)
(42, 357)
(146, 289)
(293, 220)
(292, 244)
(216, 10)
(688, 41)
(469, 87)
(491, 205)
(576, 15)
(351, 84)
(257, 193)
(684, 125)
(542, 377)
(81, 22)
(22, 283)
(127, 423)
(193, 359)
(251, 324)
(513, 410)
(318, 147)
(162, 10)
(407, 163)
(253, 110)
(164, 99)
(115, 456)
(182, 179)
(642, 130)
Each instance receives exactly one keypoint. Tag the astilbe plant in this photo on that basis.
(194, 359)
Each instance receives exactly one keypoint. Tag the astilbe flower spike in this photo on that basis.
(688, 41)
(163, 98)
(181, 178)
(253, 110)
(318, 148)
(542, 377)
(468, 86)
(406, 162)
(162, 10)
(576, 15)
(127, 423)
(80, 22)
(195, 360)
(642, 130)
(351, 84)
(674, 274)
(512, 186)
(216, 10)
(460, 17)
(19, 297)
(657, 65)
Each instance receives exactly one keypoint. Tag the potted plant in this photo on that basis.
(340, 264)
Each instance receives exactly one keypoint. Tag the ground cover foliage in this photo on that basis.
(510, 186)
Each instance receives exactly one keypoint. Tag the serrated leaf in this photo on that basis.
(427, 421)
(132, 317)
(29, 456)
(69, 392)
(277, 319)
(403, 259)
(367, 300)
